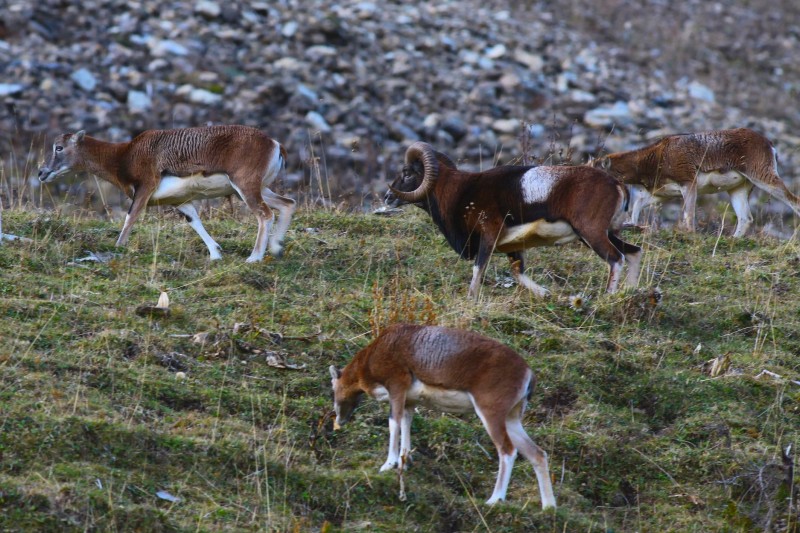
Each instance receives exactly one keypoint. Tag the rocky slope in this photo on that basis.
(347, 85)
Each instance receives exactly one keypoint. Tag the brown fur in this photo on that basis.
(476, 211)
(680, 158)
(497, 379)
(242, 153)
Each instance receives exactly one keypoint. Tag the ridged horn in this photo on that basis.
(421, 150)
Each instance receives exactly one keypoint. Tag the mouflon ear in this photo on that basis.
(77, 137)
(335, 372)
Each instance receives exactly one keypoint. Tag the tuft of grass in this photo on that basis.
(96, 420)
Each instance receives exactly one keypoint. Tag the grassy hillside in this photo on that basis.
(96, 418)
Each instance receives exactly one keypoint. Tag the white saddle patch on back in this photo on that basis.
(537, 233)
(173, 190)
(536, 184)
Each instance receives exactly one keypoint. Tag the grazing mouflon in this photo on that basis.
(452, 370)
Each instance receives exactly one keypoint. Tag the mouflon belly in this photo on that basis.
(447, 400)
(537, 233)
(173, 190)
(707, 183)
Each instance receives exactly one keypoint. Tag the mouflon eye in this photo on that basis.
(59, 148)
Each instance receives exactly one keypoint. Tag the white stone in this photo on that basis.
(698, 91)
(202, 96)
(534, 62)
(497, 51)
(506, 125)
(317, 121)
(208, 8)
(138, 102)
(289, 63)
(289, 29)
(84, 79)
(584, 97)
(7, 89)
(319, 51)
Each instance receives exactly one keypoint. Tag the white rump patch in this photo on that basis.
(536, 184)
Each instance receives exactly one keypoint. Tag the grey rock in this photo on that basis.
(455, 126)
(159, 48)
(604, 116)
(401, 132)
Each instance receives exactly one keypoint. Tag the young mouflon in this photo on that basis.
(452, 370)
(686, 165)
(176, 167)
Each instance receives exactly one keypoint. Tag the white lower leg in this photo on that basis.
(393, 457)
(741, 206)
(689, 193)
(528, 283)
(503, 477)
(193, 218)
(405, 436)
(545, 485)
(286, 208)
(634, 265)
(260, 248)
(614, 275)
(537, 457)
(122, 240)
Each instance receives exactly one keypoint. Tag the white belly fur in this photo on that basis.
(707, 183)
(173, 190)
(447, 400)
(538, 233)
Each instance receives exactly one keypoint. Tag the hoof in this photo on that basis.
(276, 250)
(387, 466)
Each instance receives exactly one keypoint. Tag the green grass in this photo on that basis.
(94, 420)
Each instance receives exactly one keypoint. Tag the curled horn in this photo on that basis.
(429, 163)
